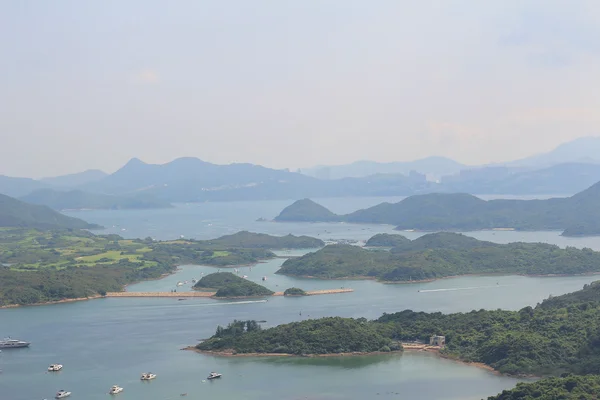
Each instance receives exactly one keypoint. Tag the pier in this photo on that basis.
(211, 294)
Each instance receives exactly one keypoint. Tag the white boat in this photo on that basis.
(146, 376)
(264, 278)
(61, 394)
(9, 343)
(213, 375)
(115, 389)
(179, 283)
(55, 367)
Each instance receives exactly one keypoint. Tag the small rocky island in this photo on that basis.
(228, 285)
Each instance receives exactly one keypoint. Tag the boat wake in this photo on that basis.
(464, 288)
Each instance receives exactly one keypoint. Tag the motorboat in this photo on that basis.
(55, 367)
(9, 343)
(264, 278)
(61, 394)
(146, 376)
(115, 389)
(214, 375)
(179, 283)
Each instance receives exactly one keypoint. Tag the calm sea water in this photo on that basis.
(112, 341)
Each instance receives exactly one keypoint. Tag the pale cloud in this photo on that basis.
(147, 76)
(545, 115)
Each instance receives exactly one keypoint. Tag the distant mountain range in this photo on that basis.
(16, 213)
(73, 180)
(570, 168)
(435, 167)
(578, 215)
(584, 150)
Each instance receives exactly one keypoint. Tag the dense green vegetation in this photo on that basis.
(77, 199)
(250, 240)
(570, 387)
(230, 285)
(560, 335)
(16, 213)
(40, 266)
(438, 255)
(458, 211)
(386, 240)
(294, 291)
(217, 280)
(322, 336)
(306, 210)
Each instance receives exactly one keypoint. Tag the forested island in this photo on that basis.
(227, 285)
(465, 212)
(560, 335)
(294, 291)
(439, 255)
(331, 335)
(38, 266)
(386, 240)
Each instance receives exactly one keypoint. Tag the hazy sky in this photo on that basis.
(91, 84)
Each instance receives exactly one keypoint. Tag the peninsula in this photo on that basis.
(464, 212)
(39, 266)
(558, 336)
(439, 255)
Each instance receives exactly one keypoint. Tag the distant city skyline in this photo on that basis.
(292, 84)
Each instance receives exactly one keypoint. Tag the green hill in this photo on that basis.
(386, 240)
(250, 240)
(442, 240)
(438, 255)
(16, 213)
(331, 335)
(570, 387)
(306, 210)
(556, 337)
(463, 212)
(230, 285)
(77, 199)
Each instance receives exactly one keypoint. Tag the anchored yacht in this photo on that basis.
(55, 367)
(146, 376)
(115, 389)
(9, 343)
(214, 375)
(61, 394)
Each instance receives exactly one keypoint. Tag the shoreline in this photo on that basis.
(47, 303)
(431, 350)
(369, 278)
(232, 354)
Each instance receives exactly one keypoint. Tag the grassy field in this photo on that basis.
(30, 249)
